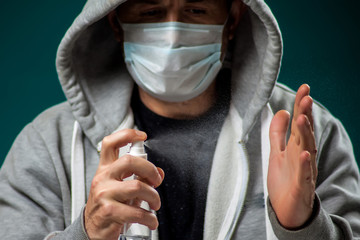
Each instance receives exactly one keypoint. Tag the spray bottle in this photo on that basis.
(137, 231)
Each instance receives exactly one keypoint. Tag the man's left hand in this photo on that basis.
(292, 165)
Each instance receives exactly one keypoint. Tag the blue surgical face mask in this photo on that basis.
(173, 61)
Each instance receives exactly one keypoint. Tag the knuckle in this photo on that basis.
(136, 186)
(106, 141)
(127, 159)
(139, 214)
(98, 195)
(95, 183)
(97, 189)
(107, 210)
(126, 133)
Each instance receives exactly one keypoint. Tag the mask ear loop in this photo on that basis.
(227, 56)
(117, 18)
(121, 31)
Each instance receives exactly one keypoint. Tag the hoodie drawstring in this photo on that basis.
(77, 173)
(266, 117)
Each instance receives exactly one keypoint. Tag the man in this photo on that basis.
(205, 94)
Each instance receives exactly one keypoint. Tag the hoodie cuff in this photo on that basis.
(75, 231)
(319, 226)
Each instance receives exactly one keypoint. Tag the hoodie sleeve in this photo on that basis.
(337, 205)
(31, 194)
(75, 231)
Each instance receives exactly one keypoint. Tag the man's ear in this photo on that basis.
(115, 26)
(238, 8)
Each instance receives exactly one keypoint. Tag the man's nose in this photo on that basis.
(173, 15)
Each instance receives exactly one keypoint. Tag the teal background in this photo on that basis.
(321, 48)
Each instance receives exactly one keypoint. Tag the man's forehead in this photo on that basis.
(160, 1)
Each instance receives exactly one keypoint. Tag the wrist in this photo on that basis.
(309, 221)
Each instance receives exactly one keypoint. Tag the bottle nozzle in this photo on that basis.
(137, 148)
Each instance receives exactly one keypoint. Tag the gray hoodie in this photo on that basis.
(48, 171)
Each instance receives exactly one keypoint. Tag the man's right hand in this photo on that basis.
(107, 209)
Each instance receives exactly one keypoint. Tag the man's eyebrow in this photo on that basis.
(196, 1)
(146, 1)
(151, 1)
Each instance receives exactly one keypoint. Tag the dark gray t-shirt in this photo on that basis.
(184, 149)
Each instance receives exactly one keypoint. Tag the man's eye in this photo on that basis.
(196, 11)
(150, 13)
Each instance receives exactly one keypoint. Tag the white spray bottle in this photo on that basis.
(137, 231)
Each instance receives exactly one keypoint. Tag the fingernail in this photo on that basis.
(159, 180)
(140, 133)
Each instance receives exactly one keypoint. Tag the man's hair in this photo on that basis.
(228, 3)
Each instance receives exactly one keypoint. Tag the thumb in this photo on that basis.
(112, 143)
(278, 128)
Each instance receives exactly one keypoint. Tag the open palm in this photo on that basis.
(292, 165)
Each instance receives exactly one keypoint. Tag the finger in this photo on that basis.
(278, 128)
(306, 108)
(112, 143)
(307, 141)
(306, 178)
(134, 190)
(304, 90)
(305, 173)
(306, 135)
(162, 175)
(302, 107)
(128, 165)
(142, 216)
(122, 213)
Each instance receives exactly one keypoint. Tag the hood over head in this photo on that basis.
(98, 86)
